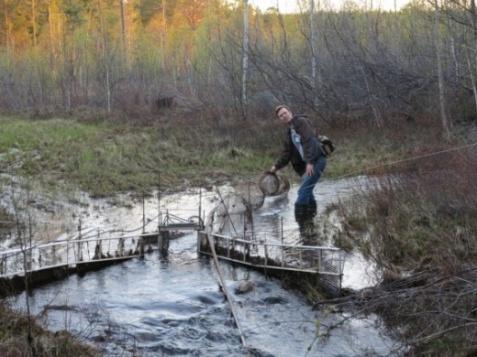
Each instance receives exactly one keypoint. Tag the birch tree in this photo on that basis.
(244, 58)
(105, 57)
(33, 21)
(440, 74)
(314, 79)
(123, 28)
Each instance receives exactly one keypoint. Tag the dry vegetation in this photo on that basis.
(422, 234)
(23, 337)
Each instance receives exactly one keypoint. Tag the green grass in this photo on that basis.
(104, 158)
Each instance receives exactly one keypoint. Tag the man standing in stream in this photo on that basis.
(302, 148)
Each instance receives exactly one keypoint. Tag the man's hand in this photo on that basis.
(309, 170)
(273, 169)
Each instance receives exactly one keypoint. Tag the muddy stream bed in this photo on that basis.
(172, 305)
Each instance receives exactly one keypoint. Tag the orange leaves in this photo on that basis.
(190, 11)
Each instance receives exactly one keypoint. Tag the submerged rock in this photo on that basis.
(275, 300)
(245, 286)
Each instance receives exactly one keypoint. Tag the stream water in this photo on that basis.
(172, 305)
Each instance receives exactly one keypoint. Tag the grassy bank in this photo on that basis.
(106, 157)
(15, 329)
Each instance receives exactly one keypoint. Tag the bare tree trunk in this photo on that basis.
(7, 26)
(440, 75)
(454, 58)
(108, 90)
(50, 33)
(472, 77)
(376, 113)
(314, 79)
(190, 76)
(123, 28)
(245, 59)
(473, 15)
(105, 58)
(33, 20)
(164, 33)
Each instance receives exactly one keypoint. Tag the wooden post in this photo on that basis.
(265, 250)
(164, 243)
(97, 249)
(320, 259)
(160, 238)
(200, 207)
(159, 217)
(87, 248)
(79, 245)
(109, 247)
(159, 214)
(53, 254)
(29, 260)
(199, 241)
(121, 247)
(143, 214)
(141, 247)
(340, 282)
(281, 235)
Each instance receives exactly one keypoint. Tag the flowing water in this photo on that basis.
(172, 305)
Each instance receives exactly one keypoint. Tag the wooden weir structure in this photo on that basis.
(326, 263)
(275, 256)
(43, 263)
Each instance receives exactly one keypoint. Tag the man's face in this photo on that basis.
(284, 115)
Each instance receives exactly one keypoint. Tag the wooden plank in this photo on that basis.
(224, 288)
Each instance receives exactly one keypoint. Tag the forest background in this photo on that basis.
(114, 95)
(112, 56)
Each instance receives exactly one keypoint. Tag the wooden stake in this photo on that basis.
(224, 288)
